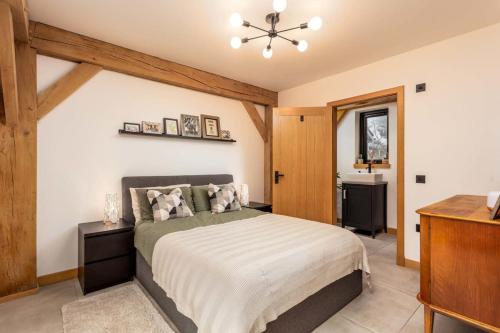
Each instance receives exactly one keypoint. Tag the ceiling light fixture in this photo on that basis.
(279, 6)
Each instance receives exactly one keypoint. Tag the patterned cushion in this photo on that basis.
(168, 206)
(223, 198)
(144, 206)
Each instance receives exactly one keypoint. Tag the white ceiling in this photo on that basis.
(197, 32)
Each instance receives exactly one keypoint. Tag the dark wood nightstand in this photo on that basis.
(106, 254)
(268, 208)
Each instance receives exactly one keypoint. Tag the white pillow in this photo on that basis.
(135, 203)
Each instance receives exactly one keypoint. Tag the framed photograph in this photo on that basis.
(225, 134)
(151, 128)
(171, 126)
(210, 126)
(190, 125)
(495, 212)
(131, 127)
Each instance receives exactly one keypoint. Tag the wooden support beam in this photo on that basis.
(64, 87)
(18, 183)
(340, 115)
(268, 156)
(21, 20)
(67, 45)
(256, 119)
(2, 110)
(8, 66)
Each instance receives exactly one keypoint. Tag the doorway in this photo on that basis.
(339, 109)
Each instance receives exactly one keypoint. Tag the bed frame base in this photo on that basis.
(302, 318)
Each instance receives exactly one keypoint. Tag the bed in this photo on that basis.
(308, 314)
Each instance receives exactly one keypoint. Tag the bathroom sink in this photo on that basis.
(363, 177)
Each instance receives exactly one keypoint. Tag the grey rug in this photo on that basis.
(125, 309)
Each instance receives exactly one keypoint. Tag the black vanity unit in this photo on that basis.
(364, 206)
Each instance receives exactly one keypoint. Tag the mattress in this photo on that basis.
(148, 233)
(237, 277)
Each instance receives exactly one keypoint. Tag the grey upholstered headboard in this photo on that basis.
(145, 181)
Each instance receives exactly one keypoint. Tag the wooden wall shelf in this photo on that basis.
(374, 166)
(173, 136)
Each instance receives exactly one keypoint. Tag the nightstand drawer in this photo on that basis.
(106, 273)
(108, 246)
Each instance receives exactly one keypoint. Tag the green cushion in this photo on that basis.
(200, 198)
(145, 206)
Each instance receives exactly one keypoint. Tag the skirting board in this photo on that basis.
(45, 280)
(412, 264)
(392, 231)
(18, 295)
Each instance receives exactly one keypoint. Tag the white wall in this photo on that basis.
(348, 151)
(451, 131)
(81, 156)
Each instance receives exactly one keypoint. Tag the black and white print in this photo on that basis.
(132, 127)
(190, 125)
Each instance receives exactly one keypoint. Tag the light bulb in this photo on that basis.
(267, 52)
(279, 5)
(236, 20)
(235, 42)
(315, 23)
(302, 46)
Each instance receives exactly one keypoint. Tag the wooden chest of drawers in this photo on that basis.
(460, 262)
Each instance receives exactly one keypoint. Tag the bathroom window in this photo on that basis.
(374, 135)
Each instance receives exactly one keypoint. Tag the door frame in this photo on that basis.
(340, 108)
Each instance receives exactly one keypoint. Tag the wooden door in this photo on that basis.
(302, 153)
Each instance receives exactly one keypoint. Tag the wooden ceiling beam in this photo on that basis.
(67, 45)
(20, 18)
(8, 66)
(256, 119)
(65, 87)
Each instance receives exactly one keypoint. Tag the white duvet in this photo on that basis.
(236, 277)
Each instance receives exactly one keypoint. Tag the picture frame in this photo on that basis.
(132, 127)
(150, 127)
(225, 134)
(190, 126)
(170, 126)
(495, 212)
(210, 126)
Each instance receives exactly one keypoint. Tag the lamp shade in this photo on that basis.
(279, 5)
(235, 20)
(492, 199)
(315, 23)
(111, 208)
(244, 196)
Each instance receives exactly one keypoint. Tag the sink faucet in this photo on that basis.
(369, 167)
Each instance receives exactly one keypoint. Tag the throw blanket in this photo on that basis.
(238, 276)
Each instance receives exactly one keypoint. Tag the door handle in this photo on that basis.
(277, 176)
(344, 193)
